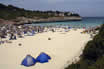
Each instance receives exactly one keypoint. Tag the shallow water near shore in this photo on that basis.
(86, 22)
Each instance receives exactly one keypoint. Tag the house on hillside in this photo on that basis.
(62, 14)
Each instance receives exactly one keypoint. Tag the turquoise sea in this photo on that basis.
(86, 22)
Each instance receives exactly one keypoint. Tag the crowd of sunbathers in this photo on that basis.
(12, 32)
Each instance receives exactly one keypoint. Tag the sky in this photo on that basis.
(86, 8)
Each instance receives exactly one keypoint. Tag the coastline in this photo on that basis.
(48, 20)
(59, 19)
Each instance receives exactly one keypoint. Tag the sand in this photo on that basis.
(63, 47)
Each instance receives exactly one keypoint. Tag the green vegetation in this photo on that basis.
(93, 54)
(12, 12)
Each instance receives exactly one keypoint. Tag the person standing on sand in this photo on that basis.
(14, 37)
(11, 36)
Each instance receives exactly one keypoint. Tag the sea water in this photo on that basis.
(86, 22)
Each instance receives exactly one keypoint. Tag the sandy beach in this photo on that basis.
(63, 47)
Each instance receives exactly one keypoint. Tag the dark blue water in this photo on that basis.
(86, 22)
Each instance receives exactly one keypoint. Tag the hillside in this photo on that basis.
(10, 12)
(93, 54)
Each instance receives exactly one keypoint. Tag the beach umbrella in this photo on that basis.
(43, 58)
(28, 61)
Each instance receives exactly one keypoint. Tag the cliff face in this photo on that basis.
(23, 20)
(2, 21)
(60, 19)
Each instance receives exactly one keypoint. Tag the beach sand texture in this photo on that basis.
(63, 47)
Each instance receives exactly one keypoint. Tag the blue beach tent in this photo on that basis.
(28, 61)
(43, 58)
